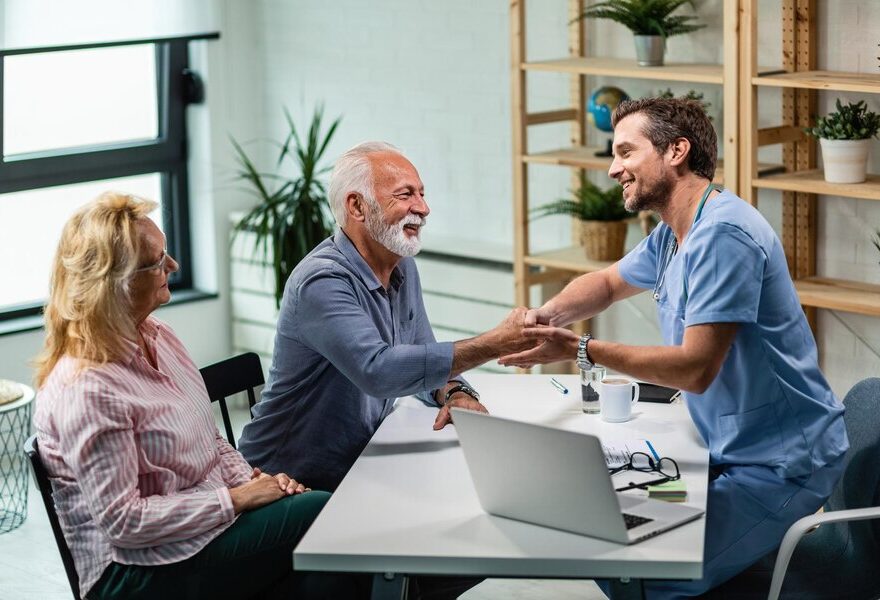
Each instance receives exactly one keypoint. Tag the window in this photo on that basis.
(79, 120)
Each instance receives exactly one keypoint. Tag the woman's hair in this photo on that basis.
(88, 314)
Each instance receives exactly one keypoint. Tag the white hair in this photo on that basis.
(353, 173)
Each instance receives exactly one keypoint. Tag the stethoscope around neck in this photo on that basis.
(672, 246)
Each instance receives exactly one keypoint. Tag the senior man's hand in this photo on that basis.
(458, 400)
(509, 335)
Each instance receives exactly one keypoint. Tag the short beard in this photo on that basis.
(392, 237)
(651, 198)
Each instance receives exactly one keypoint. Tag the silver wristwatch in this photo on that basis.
(583, 357)
(462, 387)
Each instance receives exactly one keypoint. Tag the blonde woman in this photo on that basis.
(154, 503)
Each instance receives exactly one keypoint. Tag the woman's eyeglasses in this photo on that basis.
(639, 461)
(158, 266)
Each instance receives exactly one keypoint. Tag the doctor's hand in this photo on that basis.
(558, 344)
(458, 400)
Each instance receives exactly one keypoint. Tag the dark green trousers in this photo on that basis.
(251, 559)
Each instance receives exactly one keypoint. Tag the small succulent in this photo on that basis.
(590, 203)
(851, 122)
(645, 17)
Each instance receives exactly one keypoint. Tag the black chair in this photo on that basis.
(835, 553)
(232, 376)
(42, 480)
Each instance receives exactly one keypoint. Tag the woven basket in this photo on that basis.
(603, 240)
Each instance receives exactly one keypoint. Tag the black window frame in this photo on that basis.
(166, 154)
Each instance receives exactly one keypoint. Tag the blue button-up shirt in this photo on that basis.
(345, 348)
(770, 404)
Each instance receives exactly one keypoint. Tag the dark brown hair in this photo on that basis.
(671, 118)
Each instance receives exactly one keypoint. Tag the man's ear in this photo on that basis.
(355, 207)
(678, 152)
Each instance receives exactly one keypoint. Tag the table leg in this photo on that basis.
(626, 589)
(389, 586)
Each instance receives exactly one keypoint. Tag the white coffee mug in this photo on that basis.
(616, 398)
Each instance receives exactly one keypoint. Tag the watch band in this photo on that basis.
(583, 356)
(462, 387)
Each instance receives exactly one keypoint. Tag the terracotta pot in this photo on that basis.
(603, 240)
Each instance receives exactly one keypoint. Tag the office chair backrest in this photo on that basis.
(860, 485)
(242, 373)
(41, 477)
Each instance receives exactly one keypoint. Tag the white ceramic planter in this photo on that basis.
(650, 50)
(846, 161)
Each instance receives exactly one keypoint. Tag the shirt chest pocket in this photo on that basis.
(406, 327)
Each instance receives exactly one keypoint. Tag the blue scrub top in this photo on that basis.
(770, 404)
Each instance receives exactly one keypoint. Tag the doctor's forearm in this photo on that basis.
(581, 299)
(672, 366)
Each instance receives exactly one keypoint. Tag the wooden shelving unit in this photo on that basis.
(628, 69)
(565, 263)
(802, 181)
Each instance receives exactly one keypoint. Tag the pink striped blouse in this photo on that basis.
(140, 473)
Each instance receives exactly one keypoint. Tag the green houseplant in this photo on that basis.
(667, 94)
(845, 137)
(651, 22)
(293, 215)
(602, 215)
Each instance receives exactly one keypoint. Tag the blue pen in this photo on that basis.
(651, 448)
(558, 386)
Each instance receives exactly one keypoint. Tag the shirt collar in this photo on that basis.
(363, 270)
(150, 328)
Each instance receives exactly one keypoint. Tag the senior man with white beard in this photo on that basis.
(352, 330)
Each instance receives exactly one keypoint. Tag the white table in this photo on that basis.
(408, 506)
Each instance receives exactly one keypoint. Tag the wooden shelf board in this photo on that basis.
(813, 182)
(584, 157)
(570, 259)
(838, 294)
(619, 67)
(823, 80)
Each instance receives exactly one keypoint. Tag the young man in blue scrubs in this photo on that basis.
(735, 338)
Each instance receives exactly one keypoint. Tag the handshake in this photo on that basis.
(528, 337)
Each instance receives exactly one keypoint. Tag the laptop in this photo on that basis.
(557, 479)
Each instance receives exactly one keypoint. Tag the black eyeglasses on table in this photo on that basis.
(639, 461)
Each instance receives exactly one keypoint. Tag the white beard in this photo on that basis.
(392, 236)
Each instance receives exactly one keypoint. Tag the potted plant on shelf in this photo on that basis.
(293, 215)
(845, 137)
(602, 215)
(651, 22)
(700, 97)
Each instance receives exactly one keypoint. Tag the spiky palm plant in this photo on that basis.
(293, 215)
(590, 203)
(645, 17)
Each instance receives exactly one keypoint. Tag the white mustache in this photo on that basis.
(413, 220)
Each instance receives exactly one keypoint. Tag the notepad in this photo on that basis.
(671, 491)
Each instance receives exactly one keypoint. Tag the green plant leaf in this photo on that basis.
(852, 121)
(590, 203)
(645, 17)
(295, 215)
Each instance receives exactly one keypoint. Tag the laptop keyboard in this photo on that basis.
(634, 520)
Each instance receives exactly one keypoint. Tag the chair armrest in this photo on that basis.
(800, 528)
